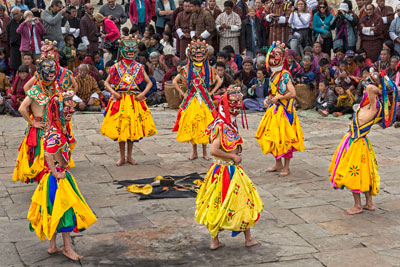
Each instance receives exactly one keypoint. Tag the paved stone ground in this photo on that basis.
(303, 223)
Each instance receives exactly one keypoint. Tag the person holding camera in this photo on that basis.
(111, 35)
(36, 6)
(114, 12)
(322, 26)
(300, 26)
(52, 19)
(344, 24)
(31, 31)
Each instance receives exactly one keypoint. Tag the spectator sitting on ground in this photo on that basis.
(227, 80)
(27, 60)
(294, 66)
(18, 93)
(260, 63)
(342, 77)
(363, 53)
(238, 79)
(340, 54)
(155, 68)
(361, 64)
(5, 91)
(98, 62)
(168, 58)
(326, 72)
(88, 95)
(149, 31)
(384, 62)
(392, 72)
(326, 99)
(257, 91)
(168, 75)
(82, 53)
(345, 101)
(155, 44)
(3, 58)
(212, 59)
(234, 58)
(351, 65)
(318, 54)
(106, 94)
(308, 75)
(247, 72)
(222, 57)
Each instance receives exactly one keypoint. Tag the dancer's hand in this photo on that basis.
(118, 96)
(139, 97)
(275, 99)
(237, 159)
(38, 124)
(59, 175)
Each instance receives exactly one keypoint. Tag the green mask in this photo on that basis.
(129, 48)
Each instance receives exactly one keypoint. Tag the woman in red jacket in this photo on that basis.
(140, 13)
(111, 35)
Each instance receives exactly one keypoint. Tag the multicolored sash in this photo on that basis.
(126, 79)
(197, 86)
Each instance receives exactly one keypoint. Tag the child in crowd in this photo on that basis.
(149, 31)
(125, 31)
(326, 71)
(27, 60)
(326, 99)
(342, 77)
(98, 62)
(222, 57)
(106, 94)
(155, 44)
(17, 90)
(69, 51)
(238, 79)
(134, 31)
(258, 90)
(340, 53)
(345, 101)
(3, 59)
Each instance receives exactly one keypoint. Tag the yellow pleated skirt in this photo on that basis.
(128, 120)
(280, 132)
(58, 206)
(227, 200)
(193, 123)
(354, 166)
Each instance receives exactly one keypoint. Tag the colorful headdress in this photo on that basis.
(48, 51)
(276, 55)
(48, 62)
(127, 44)
(198, 51)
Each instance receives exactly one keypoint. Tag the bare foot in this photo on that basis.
(120, 162)
(275, 168)
(370, 207)
(216, 245)
(354, 210)
(251, 242)
(284, 173)
(193, 157)
(131, 161)
(206, 157)
(54, 250)
(72, 255)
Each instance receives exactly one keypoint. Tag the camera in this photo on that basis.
(97, 34)
(296, 8)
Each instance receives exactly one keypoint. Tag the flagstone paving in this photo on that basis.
(303, 223)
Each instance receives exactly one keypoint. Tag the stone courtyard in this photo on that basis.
(303, 222)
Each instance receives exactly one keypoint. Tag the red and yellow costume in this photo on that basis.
(279, 131)
(196, 110)
(228, 199)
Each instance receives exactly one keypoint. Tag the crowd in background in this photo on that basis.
(330, 51)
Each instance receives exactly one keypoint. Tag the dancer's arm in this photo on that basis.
(217, 151)
(149, 84)
(29, 84)
(373, 92)
(175, 82)
(289, 94)
(107, 85)
(50, 162)
(23, 109)
(217, 85)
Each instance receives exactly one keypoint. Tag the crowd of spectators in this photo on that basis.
(331, 50)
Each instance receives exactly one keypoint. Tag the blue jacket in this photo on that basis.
(160, 5)
(254, 81)
(318, 23)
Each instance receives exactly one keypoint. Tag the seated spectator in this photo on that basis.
(98, 62)
(125, 31)
(326, 99)
(388, 44)
(247, 72)
(155, 69)
(257, 91)
(155, 44)
(168, 39)
(342, 77)
(5, 91)
(361, 64)
(168, 59)
(363, 53)
(93, 71)
(260, 63)
(326, 72)
(88, 95)
(308, 75)
(148, 33)
(318, 54)
(260, 53)
(3, 58)
(212, 59)
(392, 71)
(234, 60)
(82, 53)
(384, 61)
(154, 96)
(18, 93)
(294, 66)
(168, 75)
(69, 51)
(340, 54)
(362, 85)
(238, 79)
(308, 51)
(351, 65)
(106, 94)
(222, 57)
(345, 101)
(27, 60)
(227, 80)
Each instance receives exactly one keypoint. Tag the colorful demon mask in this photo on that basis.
(128, 47)
(235, 100)
(198, 51)
(48, 51)
(68, 106)
(276, 55)
(47, 71)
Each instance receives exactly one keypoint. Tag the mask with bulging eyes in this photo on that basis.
(276, 57)
(68, 109)
(47, 71)
(129, 48)
(235, 101)
(198, 51)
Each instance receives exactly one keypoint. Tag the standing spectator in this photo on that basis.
(80, 8)
(384, 62)
(202, 24)
(237, 9)
(359, 8)
(4, 20)
(228, 25)
(36, 6)
(140, 13)
(344, 24)
(243, 6)
(215, 11)
(182, 26)
(321, 26)
(111, 35)
(278, 13)
(174, 15)
(21, 5)
(253, 33)
(114, 12)
(318, 54)
(164, 10)
(387, 14)
(394, 31)
(52, 19)
(89, 30)
(14, 38)
(300, 24)
(31, 31)
(74, 24)
(371, 33)
(7, 5)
